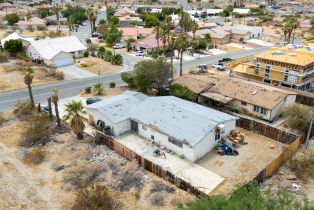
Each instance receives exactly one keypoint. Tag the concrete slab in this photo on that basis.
(198, 176)
(76, 72)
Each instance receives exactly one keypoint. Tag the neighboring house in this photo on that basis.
(129, 21)
(149, 43)
(237, 34)
(57, 51)
(218, 36)
(206, 25)
(291, 66)
(52, 20)
(188, 129)
(15, 35)
(135, 32)
(255, 32)
(241, 11)
(213, 12)
(34, 22)
(125, 12)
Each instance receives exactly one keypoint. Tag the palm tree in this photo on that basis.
(208, 38)
(56, 10)
(194, 41)
(185, 21)
(98, 88)
(295, 22)
(194, 44)
(164, 34)
(71, 23)
(28, 79)
(74, 111)
(171, 47)
(194, 27)
(182, 43)
(54, 100)
(91, 16)
(157, 35)
(168, 25)
(50, 108)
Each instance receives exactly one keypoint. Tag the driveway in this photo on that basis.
(76, 72)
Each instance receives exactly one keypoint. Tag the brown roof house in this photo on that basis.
(246, 97)
(135, 32)
(34, 22)
(218, 35)
(149, 43)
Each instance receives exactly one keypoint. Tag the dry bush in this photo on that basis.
(95, 197)
(82, 174)
(23, 110)
(52, 72)
(37, 131)
(157, 199)
(2, 119)
(35, 156)
(3, 57)
(303, 164)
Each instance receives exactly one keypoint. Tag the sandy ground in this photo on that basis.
(42, 187)
(241, 169)
(10, 80)
(97, 65)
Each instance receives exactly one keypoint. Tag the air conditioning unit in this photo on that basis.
(221, 128)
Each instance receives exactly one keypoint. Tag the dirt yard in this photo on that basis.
(12, 77)
(69, 163)
(239, 170)
(97, 65)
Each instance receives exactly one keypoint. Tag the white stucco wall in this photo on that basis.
(290, 99)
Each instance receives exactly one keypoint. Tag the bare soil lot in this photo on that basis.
(12, 77)
(97, 65)
(239, 170)
(69, 164)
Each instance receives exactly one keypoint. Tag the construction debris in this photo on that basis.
(237, 139)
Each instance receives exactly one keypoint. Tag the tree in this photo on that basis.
(91, 16)
(182, 92)
(43, 12)
(182, 43)
(157, 31)
(113, 21)
(13, 46)
(110, 12)
(289, 27)
(112, 36)
(50, 108)
(28, 79)
(295, 25)
(298, 116)
(98, 88)
(95, 197)
(12, 18)
(227, 11)
(185, 21)
(55, 100)
(76, 12)
(149, 74)
(56, 11)
(312, 23)
(74, 111)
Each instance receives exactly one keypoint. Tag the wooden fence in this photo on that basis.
(146, 164)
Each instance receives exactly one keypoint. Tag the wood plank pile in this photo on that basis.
(237, 139)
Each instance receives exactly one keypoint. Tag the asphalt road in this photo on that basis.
(74, 87)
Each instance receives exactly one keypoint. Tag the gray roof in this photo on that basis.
(117, 108)
(181, 119)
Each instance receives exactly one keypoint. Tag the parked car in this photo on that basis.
(225, 60)
(46, 109)
(92, 100)
(118, 46)
(219, 67)
(203, 66)
(140, 53)
(96, 34)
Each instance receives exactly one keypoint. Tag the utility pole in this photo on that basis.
(309, 131)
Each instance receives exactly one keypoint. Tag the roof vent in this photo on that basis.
(292, 54)
(278, 52)
(254, 92)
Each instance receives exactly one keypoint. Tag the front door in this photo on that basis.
(134, 126)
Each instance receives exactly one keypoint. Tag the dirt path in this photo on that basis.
(20, 184)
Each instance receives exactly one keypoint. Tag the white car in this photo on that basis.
(140, 53)
(118, 46)
(219, 67)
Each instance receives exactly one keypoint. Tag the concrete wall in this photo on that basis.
(290, 99)
(236, 104)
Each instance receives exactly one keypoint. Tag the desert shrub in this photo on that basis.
(92, 48)
(30, 28)
(98, 88)
(88, 90)
(117, 59)
(3, 57)
(266, 18)
(157, 199)
(86, 54)
(182, 92)
(298, 116)
(35, 156)
(2, 119)
(81, 174)
(23, 109)
(53, 34)
(107, 56)
(59, 75)
(95, 197)
(37, 130)
(41, 28)
(22, 55)
(303, 164)
(128, 78)
(83, 65)
(112, 84)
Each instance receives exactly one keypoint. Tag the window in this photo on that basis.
(263, 111)
(152, 137)
(175, 142)
(257, 65)
(217, 135)
(144, 127)
(243, 103)
(256, 108)
(260, 110)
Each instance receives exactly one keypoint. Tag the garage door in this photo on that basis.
(63, 61)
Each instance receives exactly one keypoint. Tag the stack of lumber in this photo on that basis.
(236, 138)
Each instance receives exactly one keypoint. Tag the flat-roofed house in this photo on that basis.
(218, 35)
(188, 129)
(135, 32)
